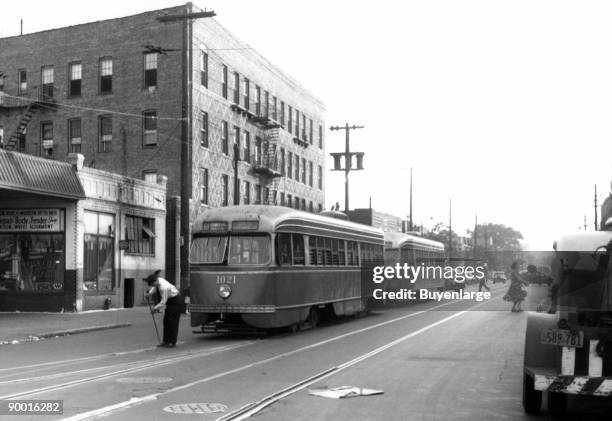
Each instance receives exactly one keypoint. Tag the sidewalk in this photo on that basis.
(24, 327)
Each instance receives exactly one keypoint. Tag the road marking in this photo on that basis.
(138, 401)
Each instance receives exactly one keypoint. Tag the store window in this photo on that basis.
(32, 250)
(140, 234)
(98, 270)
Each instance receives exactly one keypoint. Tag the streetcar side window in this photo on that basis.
(328, 251)
(298, 249)
(312, 250)
(335, 257)
(356, 254)
(284, 249)
(320, 251)
(341, 253)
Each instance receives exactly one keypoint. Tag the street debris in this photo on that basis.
(343, 392)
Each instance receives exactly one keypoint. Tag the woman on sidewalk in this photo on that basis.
(516, 293)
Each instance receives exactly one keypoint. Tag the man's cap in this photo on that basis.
(150, 279)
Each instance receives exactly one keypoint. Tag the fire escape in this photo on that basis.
(28, 107)
(265, 162)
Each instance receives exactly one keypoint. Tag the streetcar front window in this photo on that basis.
(208, 250)
(249, 250)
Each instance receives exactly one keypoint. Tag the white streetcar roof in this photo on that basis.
(395, 240)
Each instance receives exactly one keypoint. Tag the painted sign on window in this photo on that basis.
(29, 220)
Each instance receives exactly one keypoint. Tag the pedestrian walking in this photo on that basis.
(516, 293)
(170, 298)
(483, 281)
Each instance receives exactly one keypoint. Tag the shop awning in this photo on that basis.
(32, 174)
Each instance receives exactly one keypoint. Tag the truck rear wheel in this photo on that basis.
(557, 403)
(532, 399)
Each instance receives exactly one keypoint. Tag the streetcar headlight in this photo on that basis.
(224, 291)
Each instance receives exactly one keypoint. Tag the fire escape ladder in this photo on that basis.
(18, 133)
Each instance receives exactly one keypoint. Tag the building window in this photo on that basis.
(204, 69)
(204, 185)
(106, 133)
(224, 81)
(304, 127)
(46, 133)
(150, 176)
(236, 88)
(1, 82)
(297, 123)
(282, 161)
(290, 118)
(150, 70)
(247, 146)
(75, 79)
(204, 130)
(282, 199)
(290, 165)
(98, 261)
(304, 170)
(247, 193)
(22, 79)
(266, 196)
(150, 128)
(258, 150)
(320, 178)
(282, 113)
(74, 135)
(1, 137)
(140, 235)
(245, 93)
(310, 132)
(296, 203)
(258, 194)
(257, 100)
(320, 136)
(297, 168)
(320, 207)
(274, 108)
(225, 190)
(289, 201)
(310, 174)
(106, 75)
(237, 142)
(266, 110)
(224, 138)
(310, 207)
(47, 78)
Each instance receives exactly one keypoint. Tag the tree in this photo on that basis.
(498, 244)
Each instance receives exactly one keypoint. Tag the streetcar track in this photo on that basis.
(142, 366)
(92, 414)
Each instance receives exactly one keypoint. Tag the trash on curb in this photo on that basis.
(343, 392)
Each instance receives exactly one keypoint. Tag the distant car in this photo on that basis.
(498, 276)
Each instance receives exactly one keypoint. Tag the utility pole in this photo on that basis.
(475, 235)
(595, 206)
(348, 161)
(410, 224)
(187, 19)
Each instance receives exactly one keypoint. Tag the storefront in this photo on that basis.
(75, 238)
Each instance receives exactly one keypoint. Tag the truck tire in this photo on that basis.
(557, 403)
(532, 399)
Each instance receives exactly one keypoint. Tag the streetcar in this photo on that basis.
(568, 349)
(268, 267)
(414, 251)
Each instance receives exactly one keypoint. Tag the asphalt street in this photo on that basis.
(432, 361)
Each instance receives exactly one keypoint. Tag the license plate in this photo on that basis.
(561, 338)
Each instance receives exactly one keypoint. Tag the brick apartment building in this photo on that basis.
(167, 92)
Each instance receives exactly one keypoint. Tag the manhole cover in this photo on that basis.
(144, 380)
(196, 408)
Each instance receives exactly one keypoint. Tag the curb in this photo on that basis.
(34, 338)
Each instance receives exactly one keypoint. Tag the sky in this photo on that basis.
(502, 107)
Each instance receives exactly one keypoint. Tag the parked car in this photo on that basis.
(498, 276)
